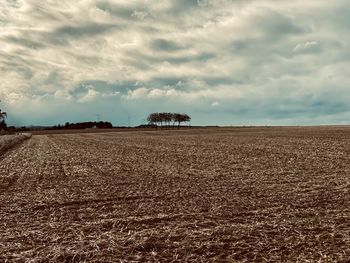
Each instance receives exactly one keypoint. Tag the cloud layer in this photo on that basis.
(221, 61)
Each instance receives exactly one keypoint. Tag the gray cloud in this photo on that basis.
(276, 25)
(25, 42)
(165, 45)
(125, 11)
(183, 6)
(222, 61)
(87, 30)
(64, 34)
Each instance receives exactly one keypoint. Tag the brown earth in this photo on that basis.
(213, 195)
(9, 141)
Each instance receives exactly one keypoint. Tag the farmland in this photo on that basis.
(8, 141)
(201, 195)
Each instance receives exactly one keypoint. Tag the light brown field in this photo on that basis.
(213, 195)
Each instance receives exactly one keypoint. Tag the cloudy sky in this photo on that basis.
(227, 62)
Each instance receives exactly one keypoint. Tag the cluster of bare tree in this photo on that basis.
(3, 115)
(168, 118)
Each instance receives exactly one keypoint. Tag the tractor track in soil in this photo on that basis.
(224, 195)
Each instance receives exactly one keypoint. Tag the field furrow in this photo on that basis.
(220, 195)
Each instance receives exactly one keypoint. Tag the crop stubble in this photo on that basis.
(278, 194)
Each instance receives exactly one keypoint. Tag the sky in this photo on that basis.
(223, 62)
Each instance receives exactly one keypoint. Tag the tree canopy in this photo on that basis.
(167, 118)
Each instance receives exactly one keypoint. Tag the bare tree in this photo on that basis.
(186, 118)
(162, 117)
(154, 118)
(167, 118)
(179, 118)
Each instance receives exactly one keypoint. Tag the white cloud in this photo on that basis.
(139, 14)
(307, 46)
(146, 94)
(89, 96)
(139, 93)
(215, 104)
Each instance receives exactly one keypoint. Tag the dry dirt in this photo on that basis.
(9, 141)
(213, 195)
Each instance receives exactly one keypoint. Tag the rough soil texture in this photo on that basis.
(214, 195)
(9, 141)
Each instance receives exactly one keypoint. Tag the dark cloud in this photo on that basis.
(167, 81)
(204, 57)
(181, 6)
(13, 3)
(277, 26)
(165, 45)
(25, 42)
(63, 35)
(143, 61)
(85, 30)
(214, 81)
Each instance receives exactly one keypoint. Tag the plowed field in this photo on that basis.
(211, 195)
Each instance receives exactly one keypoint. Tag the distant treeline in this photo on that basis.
(168, 118)
(84, 125)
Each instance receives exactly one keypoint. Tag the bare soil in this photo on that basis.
(9, 141)
(213, 195)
